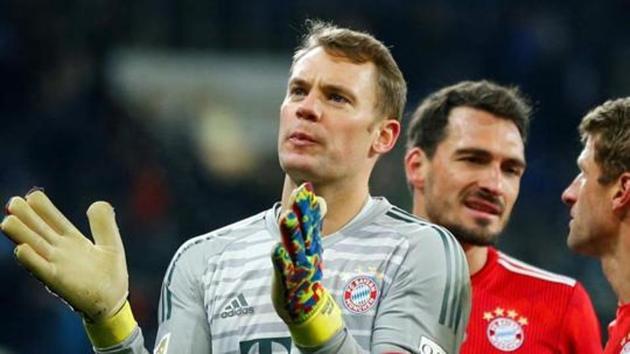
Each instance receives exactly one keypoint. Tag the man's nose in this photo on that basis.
(569, 196)
(310, 107)
(492, 181)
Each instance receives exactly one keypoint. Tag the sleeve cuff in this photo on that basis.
(111, 331)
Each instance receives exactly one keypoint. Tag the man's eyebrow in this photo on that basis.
(326, 87)
(517, 161)
(298, 81)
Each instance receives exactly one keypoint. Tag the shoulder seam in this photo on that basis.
(399, 214)
(454, 268)
(451, 309)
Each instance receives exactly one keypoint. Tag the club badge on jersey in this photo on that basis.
(505, 329)
(360, 294)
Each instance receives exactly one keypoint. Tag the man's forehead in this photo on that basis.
(320, 64)
(588, 150)
(472, 129)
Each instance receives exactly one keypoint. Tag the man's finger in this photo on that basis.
(309, 208)
(323, 207)
(281, 260)
(293, 239)
(19, 207)
(40, 203)
(103, 225)
(34, 263)
(20, 233)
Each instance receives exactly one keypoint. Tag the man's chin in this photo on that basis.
(582, 247)
(477, 241)
(481, 238)
(301, 173)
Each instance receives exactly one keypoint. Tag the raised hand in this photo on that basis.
(299, 297)
(89, 276)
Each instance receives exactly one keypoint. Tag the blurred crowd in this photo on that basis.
(64, 128)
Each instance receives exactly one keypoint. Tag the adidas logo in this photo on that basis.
(237, 307)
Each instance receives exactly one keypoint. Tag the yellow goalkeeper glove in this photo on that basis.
(90, 277)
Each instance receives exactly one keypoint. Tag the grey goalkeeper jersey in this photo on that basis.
(402, 284)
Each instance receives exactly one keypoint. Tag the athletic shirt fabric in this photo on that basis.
(523, 309)
(619, 332)
(401, 282)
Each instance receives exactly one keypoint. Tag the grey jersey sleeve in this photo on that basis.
(132, 345)
(341, 343)
(183, 326)
(426, 308)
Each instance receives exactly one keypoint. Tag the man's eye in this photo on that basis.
(513, 171)
(338, 98)
(297, 91)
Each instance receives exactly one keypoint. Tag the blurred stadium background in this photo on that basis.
(168, 109)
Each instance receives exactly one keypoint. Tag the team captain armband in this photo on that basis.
(111, 331)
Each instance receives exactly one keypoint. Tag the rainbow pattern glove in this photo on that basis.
(299, 297)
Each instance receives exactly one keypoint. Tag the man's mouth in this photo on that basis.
(301, 138)
(484, 207)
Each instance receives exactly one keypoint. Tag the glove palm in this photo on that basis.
(90, 277)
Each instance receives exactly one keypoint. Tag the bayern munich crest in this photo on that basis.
(625, 345)
(360, 294)
(505, 329)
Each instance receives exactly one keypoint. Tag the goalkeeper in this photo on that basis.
(367, 277)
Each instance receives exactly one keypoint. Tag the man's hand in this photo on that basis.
(90, 277)
(298, 295)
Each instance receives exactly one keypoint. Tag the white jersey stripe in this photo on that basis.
(519, 267)
(386, 269)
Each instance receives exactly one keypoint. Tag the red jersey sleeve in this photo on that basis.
(619, 332)
(581, 334)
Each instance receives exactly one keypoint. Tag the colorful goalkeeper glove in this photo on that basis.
(299, 297)
(90, 277)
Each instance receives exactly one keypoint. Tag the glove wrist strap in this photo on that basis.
(113, 330)
(320, 327)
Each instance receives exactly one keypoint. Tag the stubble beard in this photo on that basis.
(442, 212)
(474, 237)
(479, 235)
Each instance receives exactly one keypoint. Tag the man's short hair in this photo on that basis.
(609, 126)
(427, 128)
(360, 47)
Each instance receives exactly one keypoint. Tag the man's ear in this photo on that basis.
(415, 164)
(388, 131)
(621, 198)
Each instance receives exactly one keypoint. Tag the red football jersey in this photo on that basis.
(523, 309)
(619, 332)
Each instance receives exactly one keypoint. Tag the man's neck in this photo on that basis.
(616, 266)
(477, 256)
(344, 201)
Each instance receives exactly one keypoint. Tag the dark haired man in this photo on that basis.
(464, 162)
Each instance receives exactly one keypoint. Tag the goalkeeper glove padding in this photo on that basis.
(299, 297)
(91, 277)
